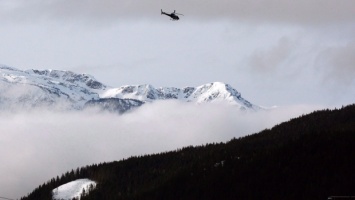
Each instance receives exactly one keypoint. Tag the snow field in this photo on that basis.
(72, 189)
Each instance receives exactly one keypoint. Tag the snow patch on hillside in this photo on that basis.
(72, 189)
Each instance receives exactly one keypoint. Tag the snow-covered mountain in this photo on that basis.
(35, 88)
(215, 92)
(114, 104)
(69, 90)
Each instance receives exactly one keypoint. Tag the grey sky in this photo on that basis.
(274, 52)
(302, 11)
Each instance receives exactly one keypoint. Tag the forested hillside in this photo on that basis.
(310, 157)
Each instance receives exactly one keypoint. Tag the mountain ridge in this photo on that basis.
(74, 90)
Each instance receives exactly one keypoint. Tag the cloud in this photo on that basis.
(18, 97)
(36, 146)
(302, 11)
(337, 63)
(267, 61)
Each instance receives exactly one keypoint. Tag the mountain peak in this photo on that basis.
(50, 86)
(216, 92)
(69, 76)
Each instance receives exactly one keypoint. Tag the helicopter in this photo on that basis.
(172, 15)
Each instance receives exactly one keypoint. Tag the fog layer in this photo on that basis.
(38, 145)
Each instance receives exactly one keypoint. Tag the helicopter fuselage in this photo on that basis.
(172, 15)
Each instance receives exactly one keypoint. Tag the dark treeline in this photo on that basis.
(310, 157)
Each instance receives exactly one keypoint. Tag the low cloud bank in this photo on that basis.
(38, 145)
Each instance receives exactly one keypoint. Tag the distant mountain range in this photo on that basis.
(69, 90)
